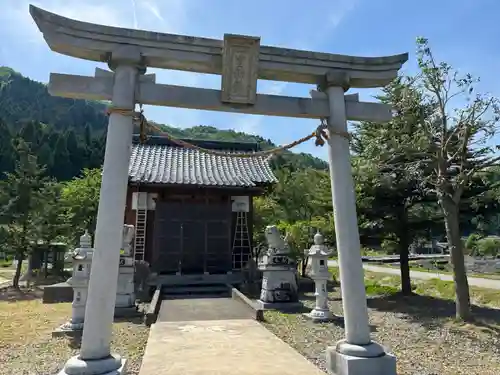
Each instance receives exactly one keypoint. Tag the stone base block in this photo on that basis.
(57, 293)
(113, 365)
(68, 329)
(125, 300)
(344, 364)
(321, 316)
(286, 306)
(127, 312)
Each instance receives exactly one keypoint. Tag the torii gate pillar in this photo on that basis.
(357, 354)
(95, 356)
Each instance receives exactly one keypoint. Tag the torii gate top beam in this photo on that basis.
(97, 42)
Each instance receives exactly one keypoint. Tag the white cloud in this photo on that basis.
(168, 16)
(340, 10)
(134, 9)
(17, 21)
(151, 7)
(250, 124)
(92, 11)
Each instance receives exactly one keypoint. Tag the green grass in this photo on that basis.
(377, 289)
(380, 284)
(491, 276)
(5, 263)
(365, 251)
(27, 346)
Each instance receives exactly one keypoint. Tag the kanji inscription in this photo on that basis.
(239, 69)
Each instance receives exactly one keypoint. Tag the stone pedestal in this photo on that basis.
(125, 289)
(79, 281)
(111, 365)
(125, 293)
(371, 359)
(318, 256)
(279, 281)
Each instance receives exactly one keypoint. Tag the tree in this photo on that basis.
(80, 197)
(391, 206)
(304, 198)
(20, 198)
(62, 168)
(391, 195)
(300, 236)
(302, 193)
(51, 219)
(6, 148)
(265, 212)
(480, 204)
(457, 124)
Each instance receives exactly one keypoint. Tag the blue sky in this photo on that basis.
(465, 33)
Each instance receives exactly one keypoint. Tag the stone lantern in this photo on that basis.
(318, 256)
(79, 281)
(279, 282)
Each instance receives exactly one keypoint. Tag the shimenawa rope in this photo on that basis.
(320, 134)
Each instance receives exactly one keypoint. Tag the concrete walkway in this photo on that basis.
(473, 281)
(222, 347)
(202, 308)
(215, 335)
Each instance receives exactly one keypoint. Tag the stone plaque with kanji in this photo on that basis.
(240, 60)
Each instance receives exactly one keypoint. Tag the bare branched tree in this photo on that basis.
(458, 125)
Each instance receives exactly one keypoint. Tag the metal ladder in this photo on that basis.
(141, 215)
(241, 241)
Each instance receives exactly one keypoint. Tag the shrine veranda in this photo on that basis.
(240, 61)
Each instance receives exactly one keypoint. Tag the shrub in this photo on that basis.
(5, 263)
(488, 247)
(389, 246)
(471, 244)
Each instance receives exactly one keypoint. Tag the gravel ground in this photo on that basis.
(419, 330)
(27, 346)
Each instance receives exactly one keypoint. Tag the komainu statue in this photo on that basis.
(128, 237)
(279, 282)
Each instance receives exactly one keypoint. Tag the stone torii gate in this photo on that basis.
(241, 61)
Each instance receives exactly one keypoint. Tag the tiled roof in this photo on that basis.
(169, 164)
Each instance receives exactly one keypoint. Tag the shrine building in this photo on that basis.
(192, 210)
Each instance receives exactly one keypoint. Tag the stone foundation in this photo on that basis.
(349, 359)
(57, 293)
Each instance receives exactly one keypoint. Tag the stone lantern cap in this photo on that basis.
(86, 240)
(79, 256)
(319, 248)
(85, 249)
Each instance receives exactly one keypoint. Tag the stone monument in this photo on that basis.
(125, 294)
(79, 281)
(279, 281)
(318, 256)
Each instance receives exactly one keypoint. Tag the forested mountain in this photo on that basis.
(68, 135)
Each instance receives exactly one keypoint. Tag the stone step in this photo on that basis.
(216, 289)
(178, 280)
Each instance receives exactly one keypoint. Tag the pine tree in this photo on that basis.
(51, 220)
(6, 149)
(62, 168)
(20, 197)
